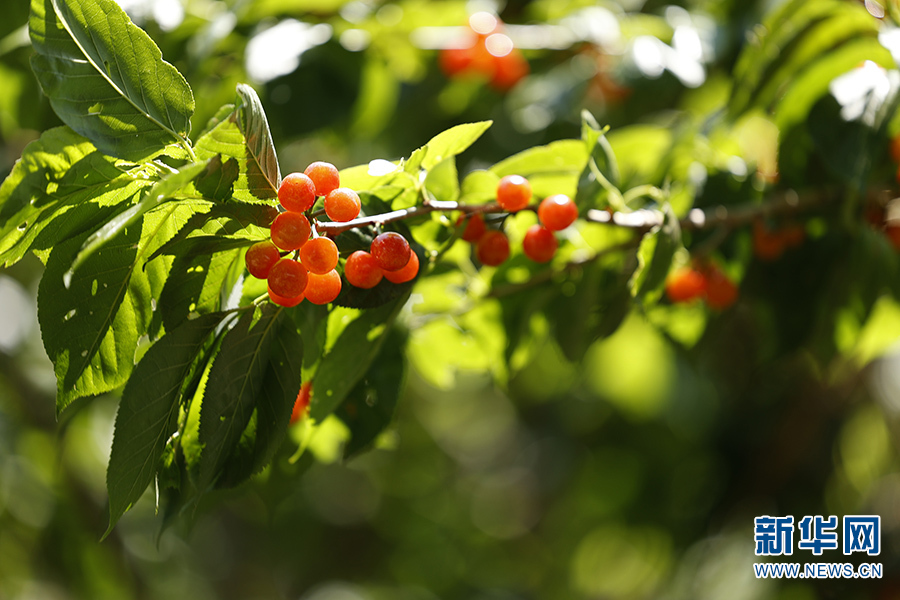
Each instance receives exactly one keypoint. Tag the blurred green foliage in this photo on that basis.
(521, 463)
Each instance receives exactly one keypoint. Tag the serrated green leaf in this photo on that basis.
(844, 23)
(61, 175)
(148, 412)
(810, 85)
(240, 379)
(198, 284)
(764, 47)
(655, 256)
(231, 220)
(91, 323)
(216, 182)
(244, 136)
(448, 143)
(350, 357)
(260, 147)
(369, 407)
(160, 191)
(106, 79)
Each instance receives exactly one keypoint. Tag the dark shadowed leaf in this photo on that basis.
(350, 357)
(148, 412)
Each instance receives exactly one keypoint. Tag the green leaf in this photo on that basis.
(655, 256)
(148, 412)
(811, 84)
(479, 187)
(792, 43)
(448, 143)
(262, 160)
(350, 357)
(61, 175)
(244, 136)
(600, 176)
(551, 169)
(369, 407)
(161, 191)
(198, 284)
(106, 79)
(88, 327)
(442, 181)
(91, 323)
(216, 182)
(248, 373)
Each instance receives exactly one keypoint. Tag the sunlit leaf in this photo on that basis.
(106, 79)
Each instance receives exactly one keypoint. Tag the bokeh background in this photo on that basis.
(632, 473)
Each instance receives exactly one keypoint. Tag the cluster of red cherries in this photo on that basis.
(701, 280)
(555, 213)
(299, 264)
(485, 52)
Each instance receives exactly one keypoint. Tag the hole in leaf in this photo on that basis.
(95, 109)
(69, 314)
(94, 288)
(22, 226)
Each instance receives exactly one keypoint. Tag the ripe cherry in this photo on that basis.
(474, 227)
(325, 176)
(362, 271)
(539, 244)
(319, 255)
(721, 292)
(513, 193)
(557, 212)
(301, 404)
(342, 204)
(492, 248)
(283, 301)
(288, 278)
(768, 245)
(407, 273)
(685, 284)
(509, 69)
(297, 192)
(260, 258)
(390, 250)
(322, 289)
(290, 230)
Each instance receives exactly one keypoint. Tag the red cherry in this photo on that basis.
(301, 404)
(513, 193)
(288, 278)
(685, 284)
(260, 258)
(290, 230)
(539, 244)
(557, 212)
(342, 204)
(474, 227)
(281, 300)
(325, 176)
(297, 192)
(492, 248)
(362, 271)
(407, 273)
(322, 289)
(390, 250)
(319, 255)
